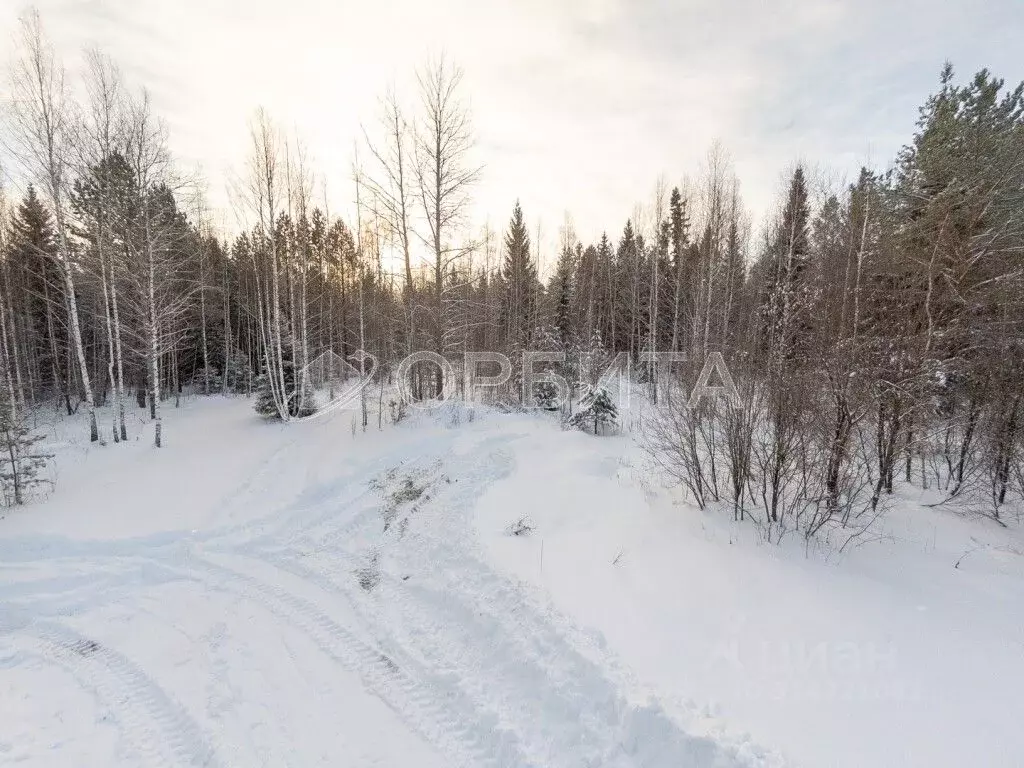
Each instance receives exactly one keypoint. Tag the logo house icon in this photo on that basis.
(334, 383)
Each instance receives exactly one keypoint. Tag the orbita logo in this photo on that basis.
(333, 382)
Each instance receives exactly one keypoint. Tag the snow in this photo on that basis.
(309, 594)
(886, 656)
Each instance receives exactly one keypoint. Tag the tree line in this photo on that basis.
(874, 331)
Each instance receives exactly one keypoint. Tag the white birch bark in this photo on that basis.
(41, 120)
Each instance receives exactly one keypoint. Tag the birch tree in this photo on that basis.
(101, 137)
(444, 174)
(393, 185)
(43, 114)
(264, 193)
(162, 249)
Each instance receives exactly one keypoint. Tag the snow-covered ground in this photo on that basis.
(888, 656)
(264, 595)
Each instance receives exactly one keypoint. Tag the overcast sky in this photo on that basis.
(578, 105)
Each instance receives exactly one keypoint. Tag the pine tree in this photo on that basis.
(832, 247)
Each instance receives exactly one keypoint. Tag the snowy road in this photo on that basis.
(335, 614)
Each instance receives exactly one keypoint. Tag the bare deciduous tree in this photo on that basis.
(43, 116)
(444, 173)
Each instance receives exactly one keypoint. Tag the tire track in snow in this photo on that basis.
(435, 712)
(504, 683)
(455, 654)
(28, 551)
(329, 514)
(317, 504)
(66, 594)
(559, 702)
(532, 682)
(153, 561)
(329, 531)
(337, 575)
(471, 625)
(159, 729)
(76, 585)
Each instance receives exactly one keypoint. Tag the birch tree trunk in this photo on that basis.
(443, 174)
(153, 334)
(41, 119)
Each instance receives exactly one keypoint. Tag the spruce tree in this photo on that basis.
(597, 413)
(520, 284)
(545, 391)
(682, 289)
(298, 406)
(22, 464)
(561, 290)
(32, 262)
(627, 266)
(786, 282)
(237, 374)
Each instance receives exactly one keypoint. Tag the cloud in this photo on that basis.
(577, 105)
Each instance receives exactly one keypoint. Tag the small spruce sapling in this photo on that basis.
(297, 406)
(597, 412)
(545, 394)
(238, 376)
(22, 465)
(206, 381)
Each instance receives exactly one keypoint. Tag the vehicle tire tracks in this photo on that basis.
(432, 707)
(158, 728)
